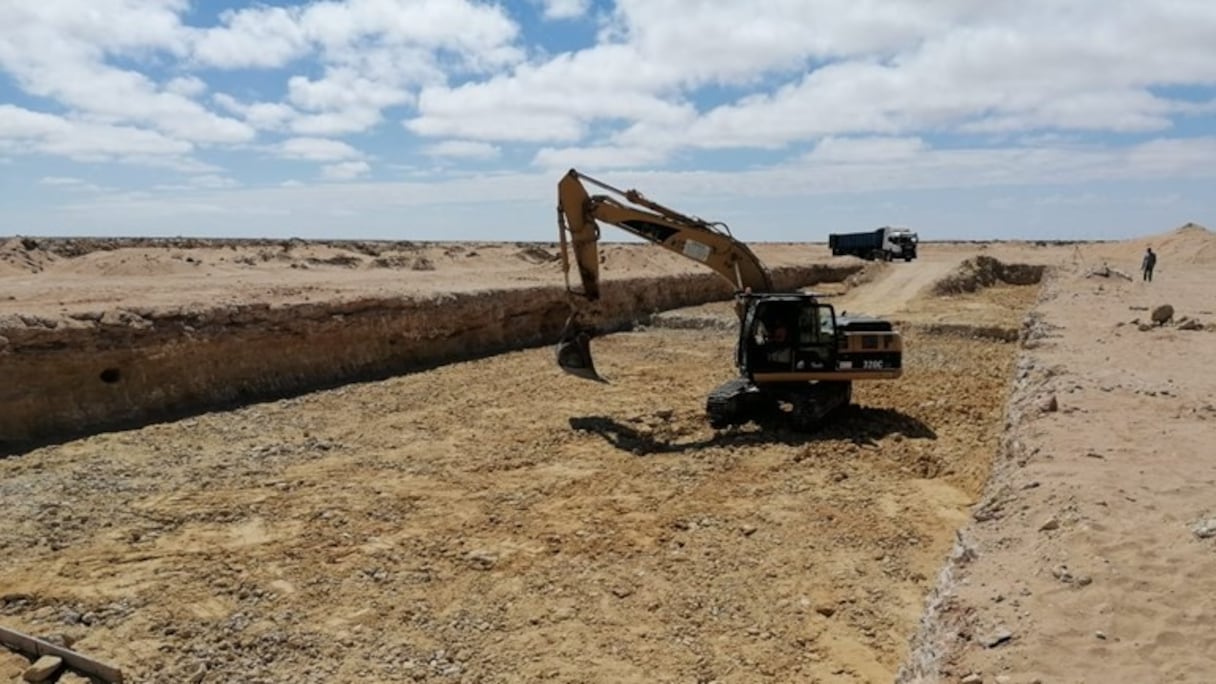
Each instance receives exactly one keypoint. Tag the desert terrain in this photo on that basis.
(1031, 501)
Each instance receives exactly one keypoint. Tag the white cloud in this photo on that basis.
(58, 50)
(186, 86)
(263, 37)
(317, 149)
(373, 51)
(599, 157)
(554, 101)
(343, 101)
(60, 180)
(345, 170)
(89, 141)
(565, 9)
(840, 95)
(213, 181)
(70, 183)
(866, 149)
(463, 149)
(260, 115)
(842, 68)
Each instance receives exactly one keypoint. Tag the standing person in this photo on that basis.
(1146, 266)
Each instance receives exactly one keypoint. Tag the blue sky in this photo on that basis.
(454, 119)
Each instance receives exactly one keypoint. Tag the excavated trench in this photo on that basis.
(438, 545)
(122, 368)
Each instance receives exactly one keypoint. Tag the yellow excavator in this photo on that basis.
(796, 358)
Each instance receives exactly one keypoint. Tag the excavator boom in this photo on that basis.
(708, 243)
(578, 214)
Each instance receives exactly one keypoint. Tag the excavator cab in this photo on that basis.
(787, 333)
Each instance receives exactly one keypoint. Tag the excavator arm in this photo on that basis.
(699, 240)
(578, 217)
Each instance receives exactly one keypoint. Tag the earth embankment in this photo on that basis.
(91, 370)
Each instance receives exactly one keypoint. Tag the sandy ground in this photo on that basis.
(41, 282)
(1095, 545)
(498, 521)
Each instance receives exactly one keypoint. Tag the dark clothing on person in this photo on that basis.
(1146, 266)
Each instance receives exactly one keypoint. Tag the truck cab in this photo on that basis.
(900, 243)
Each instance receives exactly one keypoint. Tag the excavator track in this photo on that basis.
(740, 401)
(727, 404)
(812, 405)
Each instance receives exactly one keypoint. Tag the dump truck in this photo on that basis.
(884, 244)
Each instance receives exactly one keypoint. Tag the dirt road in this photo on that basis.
(895, 284)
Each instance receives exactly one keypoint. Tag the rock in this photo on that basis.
(1000, 636)
(482, 559)
(1144, 327)
(1205, 529)
(826, 611)
(748, 530)
(1190, 325)
(12, 664)
(73, 678)
(43, 669)
(1052, 523)
(622, 591)
(1100, 634)
(973, 678)
(1049, 404)
(1162, 314)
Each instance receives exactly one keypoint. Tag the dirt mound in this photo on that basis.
(536, 255)
(1187, 244)
(130, 262)
(1191, 243)
(985, 271)
(23, 255)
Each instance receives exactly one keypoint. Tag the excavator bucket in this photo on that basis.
(574, 354)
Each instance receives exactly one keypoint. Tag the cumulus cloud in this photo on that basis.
(255, 37)
(89, 141)
(343, 171)
(317, 149)
(564, 9)
(60, 180)
(463, 149)
(829, 93)
(833, 149)
(600, 157)
(807, 70)
(58, 50)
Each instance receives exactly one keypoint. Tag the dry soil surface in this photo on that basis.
(1092, 557)
(498, 521)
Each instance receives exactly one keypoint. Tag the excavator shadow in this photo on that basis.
(858, 424)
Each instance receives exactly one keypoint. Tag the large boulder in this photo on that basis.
(1163, 314)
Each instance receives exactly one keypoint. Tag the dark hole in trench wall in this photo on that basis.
(111, 376)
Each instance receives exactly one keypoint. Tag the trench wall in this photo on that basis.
(122, 368)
